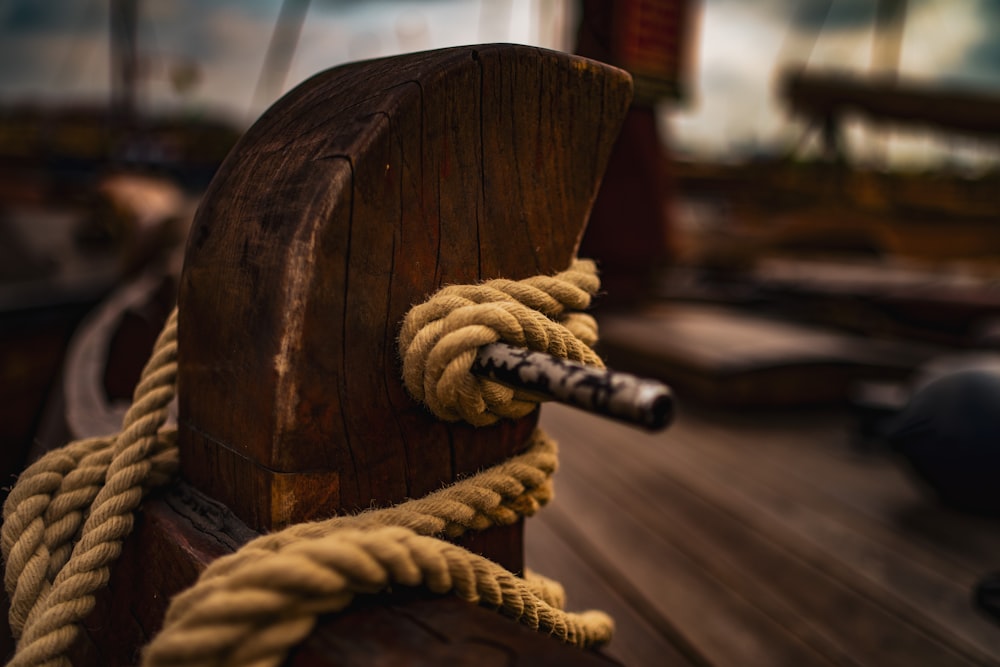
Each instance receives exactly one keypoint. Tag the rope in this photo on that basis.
(497, 496)
(439, 339)
(65, 520)
(275, 598)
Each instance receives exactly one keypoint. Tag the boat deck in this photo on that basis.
(760, 539)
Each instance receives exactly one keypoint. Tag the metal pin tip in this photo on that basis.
(655, 405)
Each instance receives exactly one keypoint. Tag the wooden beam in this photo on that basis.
(823, 95)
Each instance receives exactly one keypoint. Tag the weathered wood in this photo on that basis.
(354, 197)
(339, 210)
(441, 631)
(792, 582)
(351, 199)
(667, 583)
(176, 536)
(770, 530)
(858, 518)
(642, 637)
(181, 531)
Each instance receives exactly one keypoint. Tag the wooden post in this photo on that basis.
(350, 200)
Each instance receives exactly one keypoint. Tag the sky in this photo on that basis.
(742, 45)
(58, 50)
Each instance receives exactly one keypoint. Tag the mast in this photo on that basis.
(124, 63)
(281, 49)
(890, 15)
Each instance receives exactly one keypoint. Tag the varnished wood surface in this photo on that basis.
(760, 539)
(350, 200)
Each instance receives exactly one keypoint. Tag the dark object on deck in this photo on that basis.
(949, 433)
(987, 595)
(623, 396)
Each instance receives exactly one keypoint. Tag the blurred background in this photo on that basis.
(203, 58)
(802, 191)
(830, 165)
(801, 214)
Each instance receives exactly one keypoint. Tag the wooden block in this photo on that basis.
(350, 200)
(732, 357)
(353, 198)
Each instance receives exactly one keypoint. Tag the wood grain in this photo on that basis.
(180, 532)
(350, 200)
(762, 538)
(559, 548)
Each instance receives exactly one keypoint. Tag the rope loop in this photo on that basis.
(440, 338)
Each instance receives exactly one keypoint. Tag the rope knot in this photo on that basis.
(67, 517)
(439, 339)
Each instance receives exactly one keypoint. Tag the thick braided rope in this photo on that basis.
(253, 606)
(66, 518)
(440, 337)
(270, 602)
(497, 496)
(45, 511)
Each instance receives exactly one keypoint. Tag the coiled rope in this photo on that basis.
(66, 518)
(439, 339)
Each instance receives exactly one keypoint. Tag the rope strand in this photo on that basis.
(322, 575)
(57, 554)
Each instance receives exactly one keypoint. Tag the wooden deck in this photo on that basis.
(760, 539)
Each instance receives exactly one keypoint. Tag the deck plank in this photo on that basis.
(724, 627)
(792, 566)
(786, 582)
(811, 453)
(638, 640)
(922, 584)
(729, 356)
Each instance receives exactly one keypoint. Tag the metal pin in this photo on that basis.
(621, 396)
